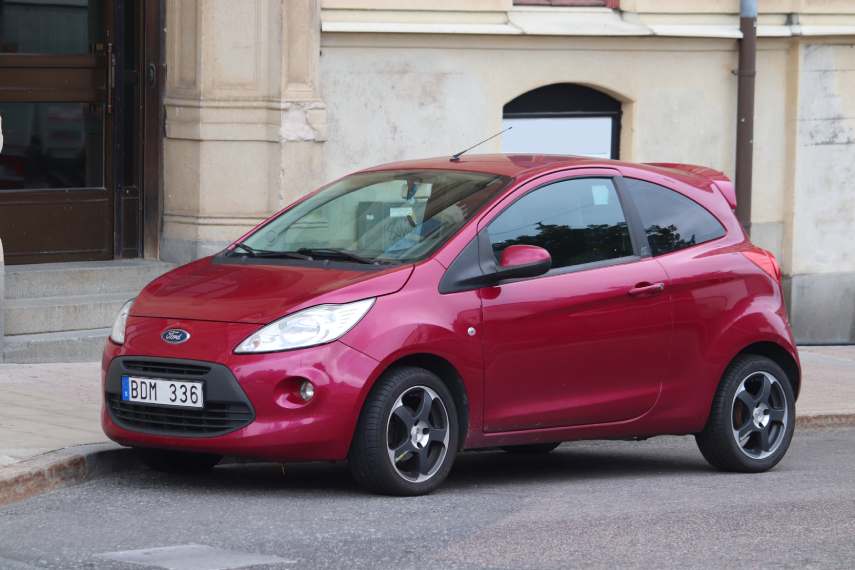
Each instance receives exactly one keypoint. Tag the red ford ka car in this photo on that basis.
(410, 311)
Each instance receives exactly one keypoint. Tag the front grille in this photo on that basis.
(215, 418)
(226, 406)
(170, 369)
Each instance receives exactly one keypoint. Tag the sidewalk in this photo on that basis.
(52, 406)
(47, 407)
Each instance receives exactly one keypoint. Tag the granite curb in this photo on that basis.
(60, 468)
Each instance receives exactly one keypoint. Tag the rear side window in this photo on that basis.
(671, 221)
(577, 221)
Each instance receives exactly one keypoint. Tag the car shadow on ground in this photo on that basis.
(478, 469)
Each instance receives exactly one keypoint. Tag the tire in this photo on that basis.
(531, 449)
(752, 418)
(168, 461)
(404, 444)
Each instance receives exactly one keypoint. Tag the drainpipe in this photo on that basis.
(745, 110)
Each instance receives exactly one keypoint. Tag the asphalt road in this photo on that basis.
(599, 504)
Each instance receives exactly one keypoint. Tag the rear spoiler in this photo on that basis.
(716, 179)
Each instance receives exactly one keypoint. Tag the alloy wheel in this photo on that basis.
(760, 415)
(417, 434)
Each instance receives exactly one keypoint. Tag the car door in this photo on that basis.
(588, 342)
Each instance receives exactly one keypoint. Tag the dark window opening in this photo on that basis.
(577, 221)
(671, 220)
(563, 118)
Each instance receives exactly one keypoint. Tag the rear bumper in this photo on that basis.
(282, 427)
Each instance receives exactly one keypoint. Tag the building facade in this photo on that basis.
(192, 120)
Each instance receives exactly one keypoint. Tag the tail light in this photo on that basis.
(765, 261)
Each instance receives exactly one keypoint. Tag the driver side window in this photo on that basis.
(577, 221)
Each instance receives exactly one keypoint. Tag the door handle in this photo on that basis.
(646, 289)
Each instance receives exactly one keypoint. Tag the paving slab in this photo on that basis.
(48, 407)
(828, 380)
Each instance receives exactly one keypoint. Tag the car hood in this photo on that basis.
(211, 289)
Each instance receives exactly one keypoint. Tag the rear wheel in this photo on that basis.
(752, 418)
(531, 449)
(169, 461)
(407, 436)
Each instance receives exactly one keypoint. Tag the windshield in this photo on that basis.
(376, 217)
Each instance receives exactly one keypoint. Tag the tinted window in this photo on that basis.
(671, 220)
(577, 221)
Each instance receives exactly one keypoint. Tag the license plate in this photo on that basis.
(162, 392)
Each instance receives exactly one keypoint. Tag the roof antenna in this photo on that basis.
(456, 157)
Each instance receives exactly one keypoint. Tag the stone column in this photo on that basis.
(244, 117)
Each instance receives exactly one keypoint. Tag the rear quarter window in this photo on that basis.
(671, 220)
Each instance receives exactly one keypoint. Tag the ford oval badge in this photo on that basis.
(175, 336)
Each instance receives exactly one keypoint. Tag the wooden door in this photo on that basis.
(80, 101)
(55, 93)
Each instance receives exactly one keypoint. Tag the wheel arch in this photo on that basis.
(449, 375)
(780, 356)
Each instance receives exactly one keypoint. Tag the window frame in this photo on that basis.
(486, 256)
(648, 250)
(613, 4)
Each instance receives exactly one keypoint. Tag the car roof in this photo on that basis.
(524, 166)
(514, 165)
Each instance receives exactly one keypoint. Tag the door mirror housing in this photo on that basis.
(518, 261)
(476, 266)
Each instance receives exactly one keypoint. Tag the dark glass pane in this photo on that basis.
(51, 145)
(671, 220)
(57, 27)
(577, 221)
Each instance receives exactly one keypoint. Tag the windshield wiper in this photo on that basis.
(310, 254)
(336, 253)
(252, 252)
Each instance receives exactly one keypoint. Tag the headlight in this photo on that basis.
(117, 335)
(309, 327)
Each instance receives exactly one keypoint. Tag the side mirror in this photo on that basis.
(518, 261)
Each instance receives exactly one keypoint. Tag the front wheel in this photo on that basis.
(752, 418)
(407, 436)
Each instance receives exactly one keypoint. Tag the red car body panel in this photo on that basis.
(250, 293)
(575, 357)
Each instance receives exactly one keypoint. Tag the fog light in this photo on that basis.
(307, 390)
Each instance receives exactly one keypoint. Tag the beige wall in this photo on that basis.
(432, 95)
(823, 215)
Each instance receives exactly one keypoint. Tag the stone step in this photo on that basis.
(66, 346)
(66, 313)
(81, 278)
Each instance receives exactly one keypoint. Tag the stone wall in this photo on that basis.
(820, 241)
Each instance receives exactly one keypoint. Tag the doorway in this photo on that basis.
(563, 118)
(77, 94)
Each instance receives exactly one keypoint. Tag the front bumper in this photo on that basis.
(270, 421)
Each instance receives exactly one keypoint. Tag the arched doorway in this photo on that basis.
(563, 118)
